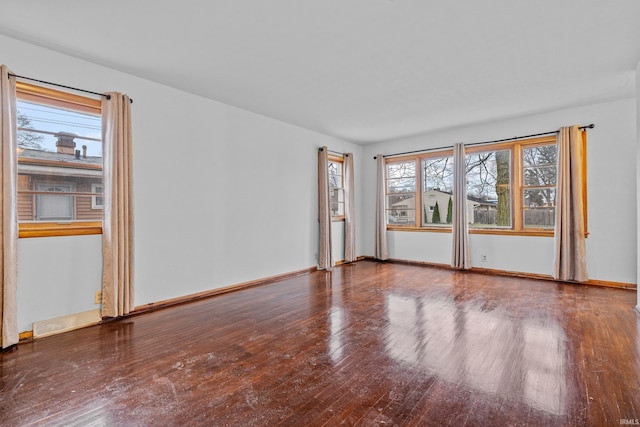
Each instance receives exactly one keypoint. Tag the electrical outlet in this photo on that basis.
(98, 299)
(484, 258)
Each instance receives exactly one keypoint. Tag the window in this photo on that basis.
(59, 163)
(56, 206)
(511, 188)
(97, 202)
(401, 193)
(489, 188)
(437, 191)
(336, 187)
(539, 172)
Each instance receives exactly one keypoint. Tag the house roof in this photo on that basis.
(29, 153)
(39, 162)
(410, 201)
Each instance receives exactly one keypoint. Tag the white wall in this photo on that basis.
(221, 195)
(611, 245)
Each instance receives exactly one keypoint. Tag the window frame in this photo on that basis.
(99, 195)
(69, 200)
(516, 148)
(55, 98)
(416, 193)
(332, 158)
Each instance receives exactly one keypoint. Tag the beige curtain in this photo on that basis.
(9, 162)
(460, 257)
(349, 210)
(325, 259)
(381, 251)
(117, 231)
(570, 256)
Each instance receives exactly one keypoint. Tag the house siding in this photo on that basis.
(82, 206)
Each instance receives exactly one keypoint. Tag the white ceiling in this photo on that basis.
(360, 70)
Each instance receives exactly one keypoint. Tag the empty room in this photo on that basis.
(319, 213)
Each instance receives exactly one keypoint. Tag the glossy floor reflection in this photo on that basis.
(365, 344)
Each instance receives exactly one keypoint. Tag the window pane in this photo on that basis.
(401, 177)
(489, 188)
(540, 166)
(401, 211)
(335, 174)
(59, 151)
(437, 191)
(539, 207)
(337, 201)
(401, 193)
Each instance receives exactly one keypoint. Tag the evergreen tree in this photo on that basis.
(450, 211)
(436, 214)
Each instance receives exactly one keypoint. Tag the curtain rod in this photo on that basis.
(334, 152)
(64, 86)
(590, 126)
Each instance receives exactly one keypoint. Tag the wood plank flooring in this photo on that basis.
(366, 344)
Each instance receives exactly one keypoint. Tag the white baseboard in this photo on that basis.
(66, 323)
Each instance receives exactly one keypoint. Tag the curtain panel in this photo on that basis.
(349, 210)
(117, 230)
(570, 260)
(325, 259)
(381, 250)
(9, 162)
(460, 258)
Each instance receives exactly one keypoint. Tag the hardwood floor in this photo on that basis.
(367, 344)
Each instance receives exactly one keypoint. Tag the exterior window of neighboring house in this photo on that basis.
(54, 207)
(336, 187)
(59, 187)
(97, 202)
(511, 188)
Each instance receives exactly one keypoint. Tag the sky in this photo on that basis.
(53, 119)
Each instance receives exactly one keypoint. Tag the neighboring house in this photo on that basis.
(66, 170)
(401, 209)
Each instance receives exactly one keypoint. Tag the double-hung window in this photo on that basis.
(511, 188)
(436, 175)
(419, 191)
(488, 175)
(336, 187)
(539, 173)
(59, 186)
(401, 197)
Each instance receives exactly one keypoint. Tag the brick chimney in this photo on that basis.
(65, 143)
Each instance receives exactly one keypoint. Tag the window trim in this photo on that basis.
(55, 98)
(517, 187)
(94, 199)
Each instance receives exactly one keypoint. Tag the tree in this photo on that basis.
(450, 211)
(436, 214)
(28, 139)
(502, 188)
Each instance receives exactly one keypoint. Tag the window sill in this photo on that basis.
(494, 231)
(337, 218)
(418, 229)
(50, 229)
